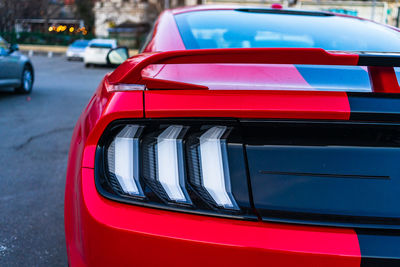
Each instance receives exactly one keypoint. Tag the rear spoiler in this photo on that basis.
(380, 65)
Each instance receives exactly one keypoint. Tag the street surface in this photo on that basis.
(35, 133)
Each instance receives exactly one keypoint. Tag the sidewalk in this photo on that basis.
(49, 50)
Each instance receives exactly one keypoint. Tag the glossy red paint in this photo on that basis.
(119, 105)
(234, 76)
(100, 232)
(276, 6)
(125, 235)
(131, 70)
(103, 108)
(166, 35)
(383, 79)
(248, 104)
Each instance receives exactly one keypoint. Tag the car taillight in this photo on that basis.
(180, 166)
(163, 164)
(209, 168)
(123, 161)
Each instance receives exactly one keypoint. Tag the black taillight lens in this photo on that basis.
(180, 165)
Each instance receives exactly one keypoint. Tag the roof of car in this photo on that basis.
(103, 41)
(246, 7)
(81, 41)
(261, 9)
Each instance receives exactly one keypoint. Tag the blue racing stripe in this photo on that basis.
(336, 78)
(379, 247)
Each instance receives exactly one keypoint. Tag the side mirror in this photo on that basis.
(13, 47)
(117, 56)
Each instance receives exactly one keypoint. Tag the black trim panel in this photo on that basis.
(254, 132)
(323, 173)
(379, 59)
(286, 12)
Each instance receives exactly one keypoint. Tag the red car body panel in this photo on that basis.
(232, 76)
(101, 232)
(125, 235)
(248, 104)
(131, 70)
(166, 35)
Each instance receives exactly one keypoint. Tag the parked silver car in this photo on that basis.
(16, 70)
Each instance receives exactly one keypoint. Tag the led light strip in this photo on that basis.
(126, 160)
(170, 164)
(214, 169)
(164, 165)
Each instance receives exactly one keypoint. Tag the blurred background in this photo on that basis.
(57, 23)
(62, 41)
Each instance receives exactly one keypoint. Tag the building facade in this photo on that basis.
(113, 13)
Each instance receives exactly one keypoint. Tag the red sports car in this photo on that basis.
(242, 136)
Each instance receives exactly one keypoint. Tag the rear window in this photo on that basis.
(101, 45)
(255, 28)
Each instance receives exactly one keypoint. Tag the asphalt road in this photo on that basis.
(35, 133)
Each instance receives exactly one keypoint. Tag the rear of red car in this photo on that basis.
(242, 168)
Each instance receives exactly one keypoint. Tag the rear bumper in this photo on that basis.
(115, 234)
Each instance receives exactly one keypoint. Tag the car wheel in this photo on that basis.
(88, 65)
(26, 81)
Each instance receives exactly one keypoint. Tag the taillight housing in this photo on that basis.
(191, 166)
